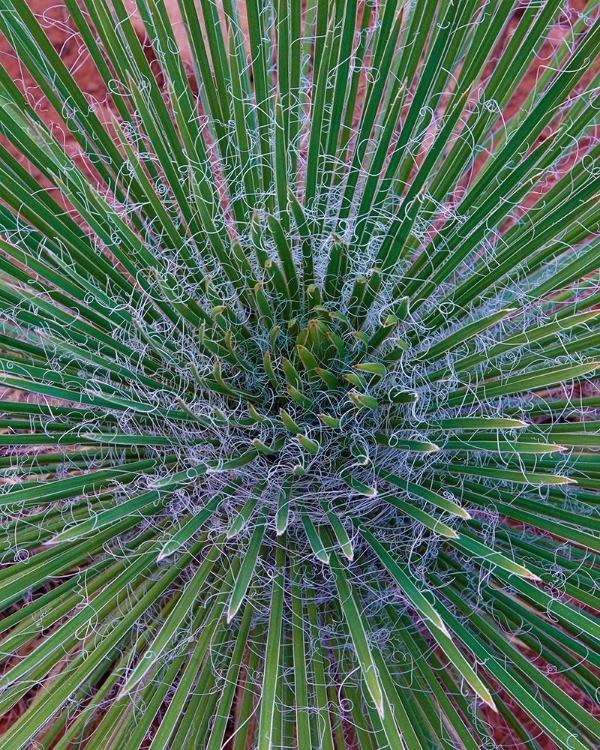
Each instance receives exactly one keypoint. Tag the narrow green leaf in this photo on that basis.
(358, 634)
(244, 578)
(272, 663)
(315, 541)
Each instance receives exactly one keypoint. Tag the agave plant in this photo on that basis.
(305, 451)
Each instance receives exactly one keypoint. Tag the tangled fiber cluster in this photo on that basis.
(305, 452)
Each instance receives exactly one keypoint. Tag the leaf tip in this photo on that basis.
(165, 552)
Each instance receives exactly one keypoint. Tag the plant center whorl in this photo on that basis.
(309, 400)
